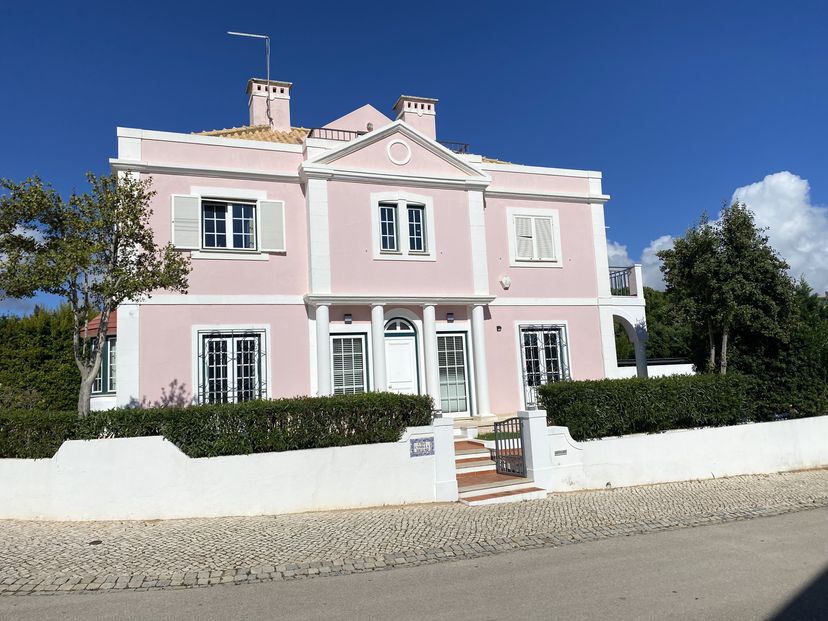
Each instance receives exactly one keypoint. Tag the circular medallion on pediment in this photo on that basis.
(399, 152)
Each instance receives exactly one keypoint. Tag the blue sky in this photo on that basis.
(679, 104)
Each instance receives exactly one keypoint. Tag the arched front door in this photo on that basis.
(401, 360)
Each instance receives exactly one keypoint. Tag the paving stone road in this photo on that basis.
(47, 557)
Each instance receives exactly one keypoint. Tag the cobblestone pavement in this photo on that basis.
(37, 557)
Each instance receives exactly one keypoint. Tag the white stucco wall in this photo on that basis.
(682, 455)
(150, 478)
(656, 370)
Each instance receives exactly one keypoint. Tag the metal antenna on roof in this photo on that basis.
(267, 62)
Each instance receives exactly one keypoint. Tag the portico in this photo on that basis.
(408, 344)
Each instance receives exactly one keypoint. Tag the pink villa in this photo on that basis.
(366, 255)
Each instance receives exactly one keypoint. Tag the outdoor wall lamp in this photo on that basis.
(450, 317)
(348, 318)
(505, 282)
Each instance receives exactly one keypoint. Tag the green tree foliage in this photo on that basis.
(94, 249)
(668, 330)
(37, 366)
(731, 284)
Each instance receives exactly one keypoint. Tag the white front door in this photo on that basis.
(401, 364)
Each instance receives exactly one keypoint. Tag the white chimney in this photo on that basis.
(279, 93)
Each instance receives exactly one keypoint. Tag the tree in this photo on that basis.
(668, 332)
(729, 280)
(96, 250)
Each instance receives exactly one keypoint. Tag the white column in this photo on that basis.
(432, 371)
(537, 449)
(445, 468)
(323, 350)
(481, 374)
(378, 346)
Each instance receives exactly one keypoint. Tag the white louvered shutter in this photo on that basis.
(523, 237)
(545, 239)
(272, 225)
(185, 222)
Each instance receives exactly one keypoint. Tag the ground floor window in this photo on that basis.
(105, 381)
(231, 365)
(349, 368)
(451, 358)
(544, 357)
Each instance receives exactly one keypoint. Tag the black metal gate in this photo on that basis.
(508, 453)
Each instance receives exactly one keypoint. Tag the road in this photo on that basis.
(774, 567)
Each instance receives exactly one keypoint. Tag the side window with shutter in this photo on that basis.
(536, 238)
(272, 226)
(185, 222)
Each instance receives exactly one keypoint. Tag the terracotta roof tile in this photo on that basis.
(260, 132)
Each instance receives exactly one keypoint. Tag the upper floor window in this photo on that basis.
(534, 238)
(403, 228)
(229, 225)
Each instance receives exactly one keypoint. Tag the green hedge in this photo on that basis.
(596, 409)
(232, 429)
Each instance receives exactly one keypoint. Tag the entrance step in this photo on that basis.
(509, 495)
(469, 448)
(468, 483)
(480, 463)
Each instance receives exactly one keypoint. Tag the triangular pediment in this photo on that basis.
(400, 151)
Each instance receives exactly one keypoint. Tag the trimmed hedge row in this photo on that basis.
(596, 409)
(231, 429)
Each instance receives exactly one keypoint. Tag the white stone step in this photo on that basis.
(501, 495)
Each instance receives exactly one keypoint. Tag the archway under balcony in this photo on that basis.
(635, 329)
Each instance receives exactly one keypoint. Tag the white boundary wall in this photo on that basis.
(150, 478)
(681, 455)
(657, 370)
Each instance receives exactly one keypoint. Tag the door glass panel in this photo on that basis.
(451, 358)
(543, 359)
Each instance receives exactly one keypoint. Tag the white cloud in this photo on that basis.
(797, 229)
(618, 255)
(651, 264)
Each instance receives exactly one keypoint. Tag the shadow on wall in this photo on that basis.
(810, 603)
(174, 395)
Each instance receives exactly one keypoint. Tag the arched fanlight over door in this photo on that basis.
(399, 324)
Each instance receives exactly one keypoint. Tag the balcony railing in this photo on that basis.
(620, 279)
(327, 133)
(455, 147)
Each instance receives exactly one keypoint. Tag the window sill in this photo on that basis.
(238, 255)
(400, 256)
(536, 263)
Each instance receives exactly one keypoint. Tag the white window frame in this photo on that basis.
(229, 218)
(198, 331)
(403, 252)
(567, 360)
(229, 194)
(551, 214)
(362, 336)
(106, 365)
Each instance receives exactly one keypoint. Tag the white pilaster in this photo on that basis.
(599, 242)
(378, 346)
(480, 262)
(323, 350)
(607, 327)
(430, 346)
(319, 236)
(481, 374)
(127, 390)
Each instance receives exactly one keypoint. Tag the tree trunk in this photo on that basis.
(712, 342)
(723, 369)
(85, 395)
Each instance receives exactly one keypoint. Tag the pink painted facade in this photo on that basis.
(366, 255)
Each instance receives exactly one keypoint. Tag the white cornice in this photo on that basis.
(564, 197)
(201, 171)
(361, 298)
(218, 141)
(222, 300)
(541, 170)
(372, 176)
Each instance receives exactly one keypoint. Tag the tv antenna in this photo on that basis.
(267, 63)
